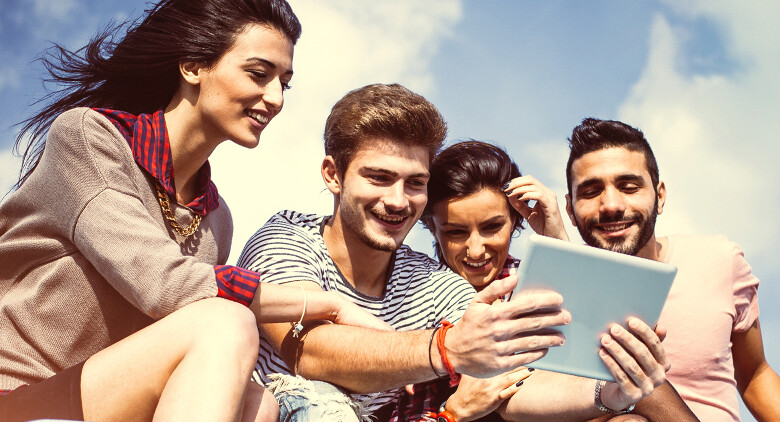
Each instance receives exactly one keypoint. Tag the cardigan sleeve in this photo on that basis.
(121, 240)
(102, 212)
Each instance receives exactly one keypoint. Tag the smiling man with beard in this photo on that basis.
(379, 143)
(714, 337)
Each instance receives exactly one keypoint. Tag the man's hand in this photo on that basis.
(544, 217)
(495, 337)
(636, 359)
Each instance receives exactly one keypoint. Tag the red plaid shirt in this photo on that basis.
(148, 139)
(424, 404)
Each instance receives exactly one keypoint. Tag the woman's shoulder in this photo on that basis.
(82, 128)
(82, 119)
(83, 141)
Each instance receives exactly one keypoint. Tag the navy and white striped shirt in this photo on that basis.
(420, 292)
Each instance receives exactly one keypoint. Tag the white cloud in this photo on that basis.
(56, 9)
(345, 45)
(714, 135)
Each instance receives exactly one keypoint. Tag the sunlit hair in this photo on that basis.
(595, 134)
(390, 112)
(139, 72)
(464, 169)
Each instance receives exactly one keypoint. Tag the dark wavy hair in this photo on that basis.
(596, 134)
(139, 73)
(464, 169)
(382, 111)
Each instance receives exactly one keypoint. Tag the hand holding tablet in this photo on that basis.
(636, 359)
(601, 290)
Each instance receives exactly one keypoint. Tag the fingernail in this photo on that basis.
(519, 383)
(506, 186)
(531, 369)
(605, 340)
(616, 329)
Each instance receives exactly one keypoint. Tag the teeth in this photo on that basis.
(258, 117)
(476, 264)
(389, 219)
(614, 228)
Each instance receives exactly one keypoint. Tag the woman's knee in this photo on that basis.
(222, 323)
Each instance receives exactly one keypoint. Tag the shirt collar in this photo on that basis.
(148, 139)
(510, 263)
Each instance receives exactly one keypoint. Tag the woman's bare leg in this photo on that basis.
(192, 365)
(259, 405)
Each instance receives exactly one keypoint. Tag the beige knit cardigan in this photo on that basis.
(85, 255)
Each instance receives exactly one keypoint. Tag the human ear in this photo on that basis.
(570, 210)
(330, 175)
(661, 189)
(191, 72)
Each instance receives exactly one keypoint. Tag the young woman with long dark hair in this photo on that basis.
(113, 282)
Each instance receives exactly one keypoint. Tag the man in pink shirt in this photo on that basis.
(714, 337)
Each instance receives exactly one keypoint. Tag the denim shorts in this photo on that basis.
(304, 400)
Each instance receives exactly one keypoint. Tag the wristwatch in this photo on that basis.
(444, 415)
(597, 399)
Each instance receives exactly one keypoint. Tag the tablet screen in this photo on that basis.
(598, 287)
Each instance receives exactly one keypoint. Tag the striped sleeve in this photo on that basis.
(282, 251)
(452, 295)
(236, 284)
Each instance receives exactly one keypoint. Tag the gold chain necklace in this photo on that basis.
(165, 206)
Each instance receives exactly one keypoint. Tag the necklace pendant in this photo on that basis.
(297, 328)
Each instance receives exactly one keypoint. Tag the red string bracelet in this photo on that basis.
(454, 376)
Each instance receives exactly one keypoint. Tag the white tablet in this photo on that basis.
(598, 287)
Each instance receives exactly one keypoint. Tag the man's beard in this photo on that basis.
(628, 246)
(354, 222)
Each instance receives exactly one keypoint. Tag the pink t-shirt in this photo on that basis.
(714, 294)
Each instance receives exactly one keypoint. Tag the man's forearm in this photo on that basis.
(359, 359)
(664, 405)
(485, 342)
(762, 395)
(757, 382)
(552, 396)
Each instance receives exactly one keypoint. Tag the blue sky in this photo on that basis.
(698, 77)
